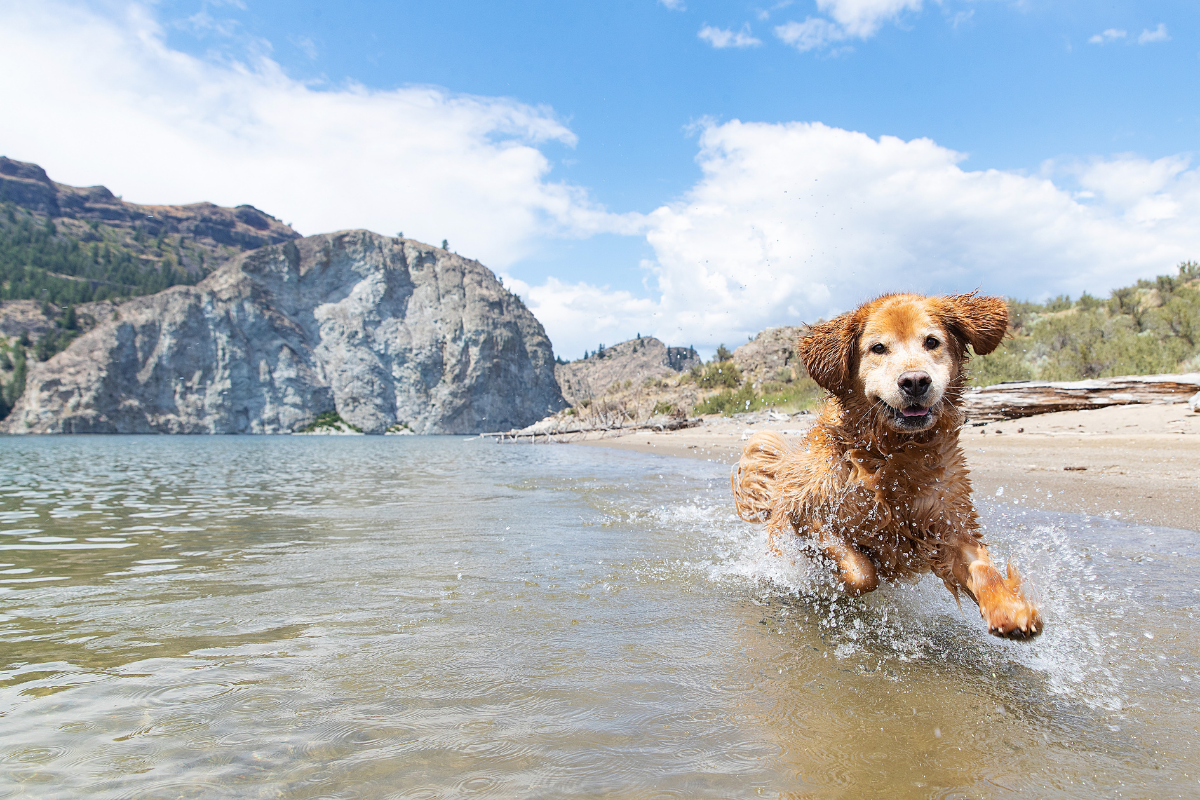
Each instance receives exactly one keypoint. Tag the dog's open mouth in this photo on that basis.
(913, 416)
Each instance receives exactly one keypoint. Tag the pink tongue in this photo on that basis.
(914, 412)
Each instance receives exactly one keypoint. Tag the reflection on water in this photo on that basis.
(443, 617)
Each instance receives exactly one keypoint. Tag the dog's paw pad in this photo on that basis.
(1018, 619)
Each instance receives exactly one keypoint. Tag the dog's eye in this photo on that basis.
(931, 343)
(878, 349)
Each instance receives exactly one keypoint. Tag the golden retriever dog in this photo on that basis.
(879, 484)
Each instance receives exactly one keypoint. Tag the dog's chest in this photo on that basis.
(907, 490)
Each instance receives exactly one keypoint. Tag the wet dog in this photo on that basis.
(879, 484)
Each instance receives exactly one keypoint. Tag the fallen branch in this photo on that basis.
(532, 435)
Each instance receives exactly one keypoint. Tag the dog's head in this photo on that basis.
(901, 353)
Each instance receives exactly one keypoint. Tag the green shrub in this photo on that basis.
(722, 373)
(1095, 344)
(801, 394)
(729, 402)
(1005, 363)
(330, 420)
(1179, 317)
(1150, 327)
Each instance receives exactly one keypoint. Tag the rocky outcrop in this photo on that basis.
(213, 234)
(771, 356)
(37, 319)
(622, 366)
(383, 331)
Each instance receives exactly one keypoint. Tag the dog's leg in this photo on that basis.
(1002, 605)
(857, 573)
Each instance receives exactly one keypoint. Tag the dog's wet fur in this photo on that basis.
(879, 484)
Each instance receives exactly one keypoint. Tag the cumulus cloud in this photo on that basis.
(721, 38)
(1159, 34)
(847, 19)
(797, 221)
(1108, 36)
(674, 5)
(103, 99)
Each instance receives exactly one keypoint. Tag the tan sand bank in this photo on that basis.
(1137, 463)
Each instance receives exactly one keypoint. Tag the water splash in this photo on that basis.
(919, 623)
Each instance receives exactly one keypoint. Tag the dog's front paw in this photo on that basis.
(1007, 612)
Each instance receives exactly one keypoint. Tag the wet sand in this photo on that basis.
(1133, 463)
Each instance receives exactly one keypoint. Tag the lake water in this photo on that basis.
(310, 617)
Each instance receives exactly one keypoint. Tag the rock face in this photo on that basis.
(771, 356)
(633, 362)
(384, 331)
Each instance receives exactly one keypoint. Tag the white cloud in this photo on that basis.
(580, 316)
(674, 5)
(1110, 35)
(812, 34)
(720, 38)
(797, 221)
(851, 19)
(305, 45)
(863, 18)
(1159, 34)
(104, 99)
(764, 14)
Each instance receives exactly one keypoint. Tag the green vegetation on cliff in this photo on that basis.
(1148, 328)
(12, 373)
(40, 261)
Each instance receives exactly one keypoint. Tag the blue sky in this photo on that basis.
(625, 173)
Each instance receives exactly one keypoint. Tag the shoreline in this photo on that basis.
(1137, 463)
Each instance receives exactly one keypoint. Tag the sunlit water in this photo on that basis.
(443, 617)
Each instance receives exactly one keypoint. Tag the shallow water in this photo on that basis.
(444, 617)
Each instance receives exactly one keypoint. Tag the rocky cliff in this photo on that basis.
(771, 356)
(384, 331)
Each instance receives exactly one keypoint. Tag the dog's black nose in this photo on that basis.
(914, 384)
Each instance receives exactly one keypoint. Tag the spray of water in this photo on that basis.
(907, 626)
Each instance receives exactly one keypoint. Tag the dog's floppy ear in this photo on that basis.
(828, 351)
(979, 321)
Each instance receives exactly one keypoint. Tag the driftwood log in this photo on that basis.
(1027, 398)
(538, 433)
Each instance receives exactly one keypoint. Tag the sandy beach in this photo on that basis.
(1139, 463)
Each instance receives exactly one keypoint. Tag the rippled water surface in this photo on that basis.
(444, 617)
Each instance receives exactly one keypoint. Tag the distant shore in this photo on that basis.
(1138, 463)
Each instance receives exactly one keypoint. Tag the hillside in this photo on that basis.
(67, 245)
(1147, 328)
(642, 378)
(620, 367)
